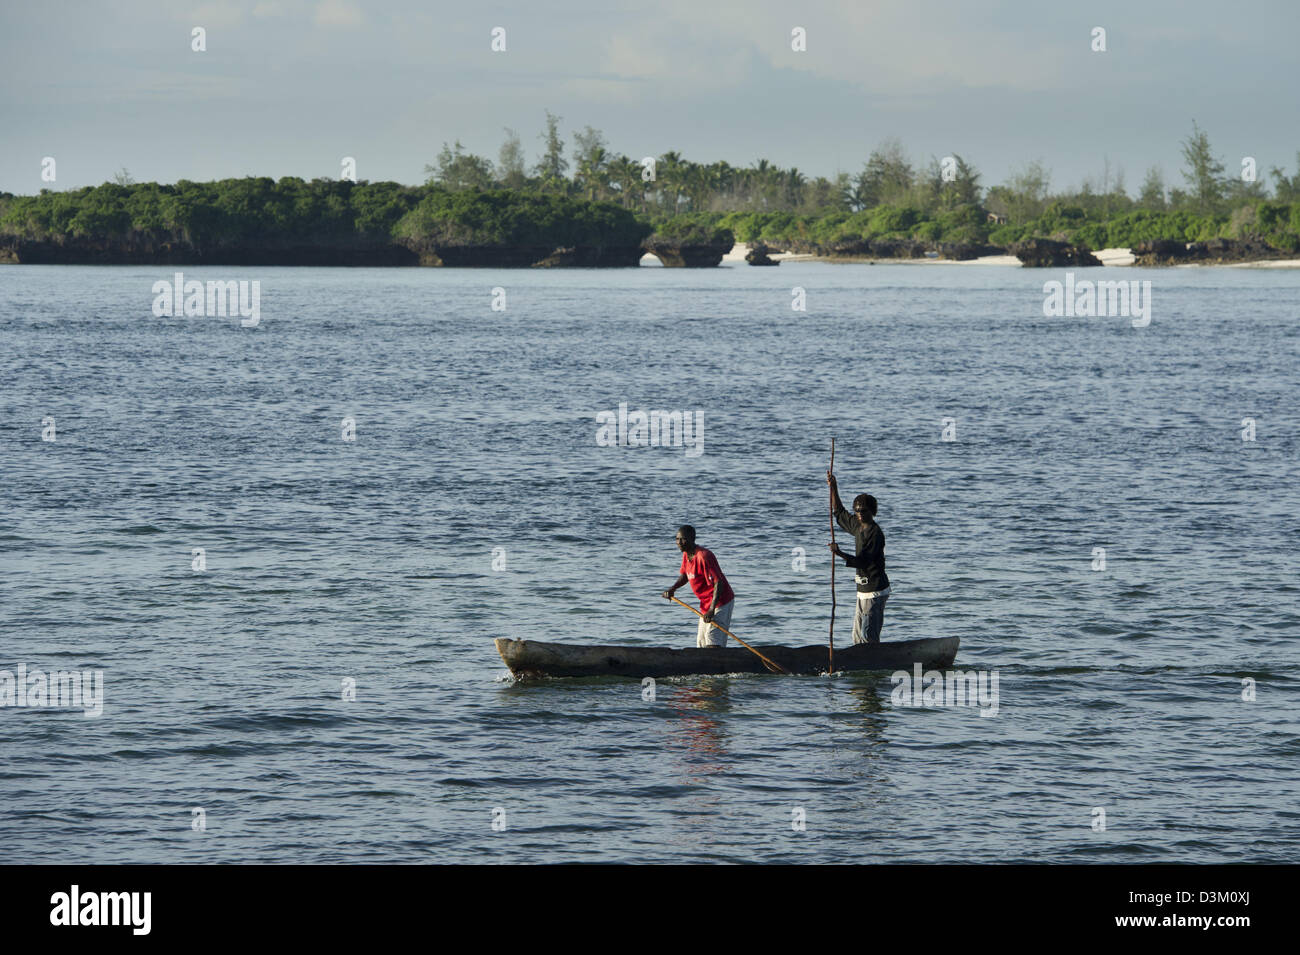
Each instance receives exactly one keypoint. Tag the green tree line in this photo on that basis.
(591, 194)
(262, 210)
(893, 196)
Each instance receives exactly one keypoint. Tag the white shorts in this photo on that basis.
(707, 635)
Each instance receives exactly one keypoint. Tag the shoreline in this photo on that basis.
(687, 256)
(1110, 258)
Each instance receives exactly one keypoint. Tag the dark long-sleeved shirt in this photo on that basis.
(869, 562)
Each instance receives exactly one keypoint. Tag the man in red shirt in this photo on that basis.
(700, 567)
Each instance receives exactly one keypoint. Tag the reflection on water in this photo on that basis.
(696, 731)
(864, 689)
(697, 747)
(859, 714)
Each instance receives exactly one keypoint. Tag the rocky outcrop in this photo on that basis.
(1049, 253)
(902, 249)
(846, 249)
(522, 257)
(438, 255)
(689, 255)
(875, 249)
(965, 251)
(1159, 252)
(898, 249)
(758, 255)
(148, 249)
(801, 247)
(1211, 252)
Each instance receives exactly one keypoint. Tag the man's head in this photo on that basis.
(685, 538)
(864, 505)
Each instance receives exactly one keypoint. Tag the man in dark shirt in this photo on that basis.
(868, 562)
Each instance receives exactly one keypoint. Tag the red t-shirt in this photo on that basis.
(703, 572)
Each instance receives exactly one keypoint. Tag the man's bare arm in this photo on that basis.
(668, 594)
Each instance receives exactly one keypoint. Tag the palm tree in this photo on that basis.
(724, 180)
(794, 186)
(699, 183)
(761, 177)
(626, 174)
(592, 170)
(670, 173)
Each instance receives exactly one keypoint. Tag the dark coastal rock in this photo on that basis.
(1210, 252)
(454, 255)
(693, 255)
(802, 247)
(1050, 253)
(758, 255)
(588, 257)
(901, 249)
(965, 251)
(875, 249)
(851, 248)
(1159, 252)
(147, 249)
(568, 256)
(436, 255)
(897, 249)
(143, 249)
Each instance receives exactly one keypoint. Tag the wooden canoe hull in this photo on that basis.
(531, 658)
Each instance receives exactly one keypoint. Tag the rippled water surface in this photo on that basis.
(373, 560)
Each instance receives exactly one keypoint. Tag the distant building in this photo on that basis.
(997, 218)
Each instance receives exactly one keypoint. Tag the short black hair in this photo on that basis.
(688, 532)
(866, 502)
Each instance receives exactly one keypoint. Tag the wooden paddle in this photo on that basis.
(770, 664)
(830, 651)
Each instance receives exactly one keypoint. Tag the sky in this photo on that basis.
(290, 87)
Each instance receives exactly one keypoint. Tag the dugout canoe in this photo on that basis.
(532, 658)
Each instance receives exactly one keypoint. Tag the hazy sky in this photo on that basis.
(289, 87)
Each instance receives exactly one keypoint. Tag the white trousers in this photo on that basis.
(707, 635)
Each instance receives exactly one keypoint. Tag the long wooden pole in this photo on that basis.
(830, 651)
(771, 664)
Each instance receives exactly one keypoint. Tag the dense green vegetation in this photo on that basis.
(965, 223)
(894, 198)
(206, 212)
(610, 199)
(263, 210)
(511, 218)
(693, 229)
